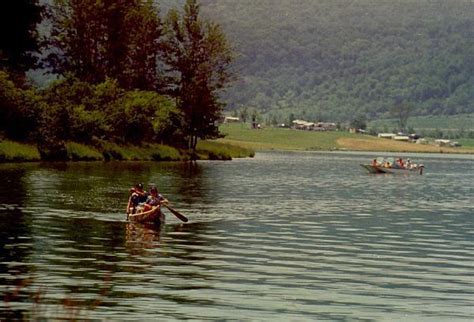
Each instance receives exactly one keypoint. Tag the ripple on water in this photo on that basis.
(283, 236)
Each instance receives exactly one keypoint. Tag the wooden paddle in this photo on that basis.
(128, 206)
(179, 215)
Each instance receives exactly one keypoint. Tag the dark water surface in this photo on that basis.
(283, 236)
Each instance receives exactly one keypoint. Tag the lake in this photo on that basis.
(282, 236)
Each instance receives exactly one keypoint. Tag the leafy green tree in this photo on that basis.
(98, 39)
(401, 111)
(359, 122)
(19, 36)
(142, 116)
(19, 110)
(198, 56)
(244, 114)
(144, 45)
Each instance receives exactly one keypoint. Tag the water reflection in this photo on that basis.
(293, 236)
(140, 237)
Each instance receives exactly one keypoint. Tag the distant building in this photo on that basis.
(355, 130)
(404, 138)
(327, 126)
(386, 135)
(231, 119)
(310, 126)
(441, 142)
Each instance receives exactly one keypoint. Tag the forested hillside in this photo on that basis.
(333, 59)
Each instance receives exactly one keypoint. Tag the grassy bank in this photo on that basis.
(19, 152)
(289, 139)
(13, 151)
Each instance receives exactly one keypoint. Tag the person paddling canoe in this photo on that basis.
(137, 196)
(154, 199)
(140, 197)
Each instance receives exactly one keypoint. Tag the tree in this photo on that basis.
(19, 110)
(144, 47)
(244, 114)
(98, 39)
(19, 36)
(359, 122)
(401, 111)
(198, 57)
(142, 116)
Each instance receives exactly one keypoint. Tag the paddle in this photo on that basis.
(128, 206)
(179, 215)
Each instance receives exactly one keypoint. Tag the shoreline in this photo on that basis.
(17, 152)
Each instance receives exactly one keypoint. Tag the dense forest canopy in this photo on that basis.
(332, 59)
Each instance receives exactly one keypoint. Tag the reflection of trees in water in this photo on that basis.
(15, 239)
(91, 186)
(191, 184)
(82, 250)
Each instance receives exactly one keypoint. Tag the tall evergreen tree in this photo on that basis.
(198, 56)
(19, 36)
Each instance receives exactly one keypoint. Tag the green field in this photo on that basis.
(280, 138)
(467, 142)
(290, 139)
(463, 122)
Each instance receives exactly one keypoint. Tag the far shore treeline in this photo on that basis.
(127, 75)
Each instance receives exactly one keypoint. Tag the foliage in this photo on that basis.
(142, 116)
(359, 122)
(328, 60)
(401, 111)
(95, 40)
(198, 57)
(19, 36)
(18, 110)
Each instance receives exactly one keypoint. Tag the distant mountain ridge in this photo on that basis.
(332, 59)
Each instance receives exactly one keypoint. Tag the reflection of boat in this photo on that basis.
(381, 165)
(140, 237)
(154, 215)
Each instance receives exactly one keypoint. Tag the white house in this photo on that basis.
(386, 135)
(231, 119)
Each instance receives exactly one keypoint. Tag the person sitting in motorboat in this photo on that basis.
(154, 199)
(401, 163)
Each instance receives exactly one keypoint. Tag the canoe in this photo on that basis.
(154, 216)
(379, 169)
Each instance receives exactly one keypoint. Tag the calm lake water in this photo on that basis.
(282, 236)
